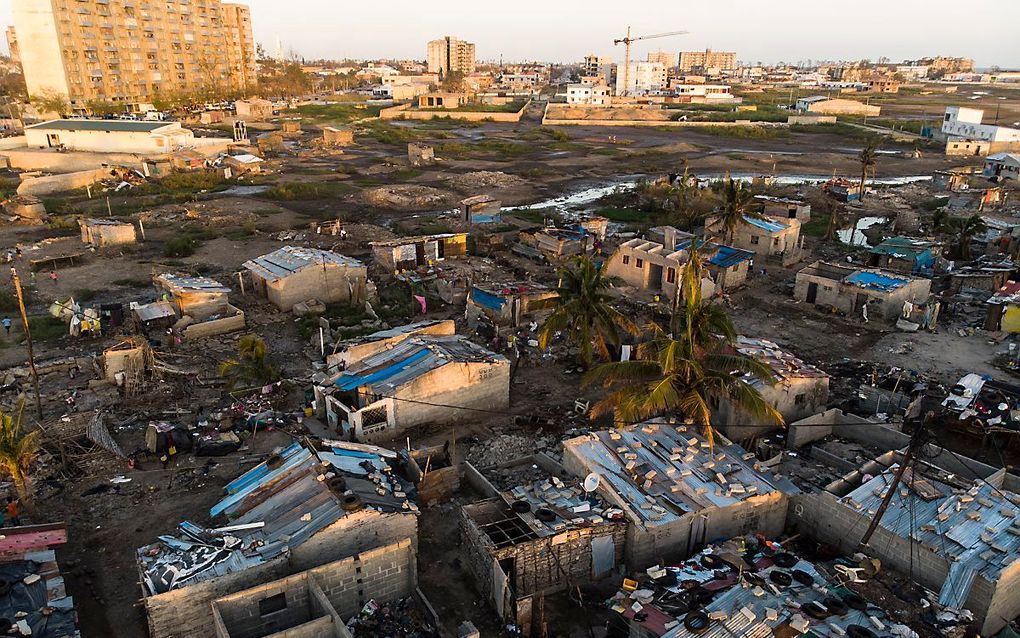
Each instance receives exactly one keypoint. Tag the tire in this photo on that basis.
(521, 507)
(856, 631)
(274, 461)
(781, 578)
(836, 605)
(854, 601)
(754, 579)
(351, 503)
(815, 610)
(803, 577)
(696, 622)
(785, 560)
(545, 515)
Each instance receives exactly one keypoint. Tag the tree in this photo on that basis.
(584, 313)
(685, 369)
(250, 368)
(50, 102)
(735, 205)
(19, 451)
(867, 160)
(966, 229)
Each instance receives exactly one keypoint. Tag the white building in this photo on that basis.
(965, 123)
(588, 95)
(114, 136)
(709, 92)
(641, 78)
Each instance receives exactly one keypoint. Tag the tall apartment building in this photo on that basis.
(664, 58)
(450, 54)
(134, 51)
(707, 59)
(641, 78)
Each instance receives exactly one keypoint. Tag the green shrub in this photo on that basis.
(183, 246)
(305, 191)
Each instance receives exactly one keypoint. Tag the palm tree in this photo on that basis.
(583, 312)
(683, 370)
(967, 229)
(250, 368)
(19, 451)
(867, 159)
(735, 207)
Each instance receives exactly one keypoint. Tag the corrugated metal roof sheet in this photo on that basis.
(664, 470)
(770, 225)
(784, 365)
(872, 280)
(727, 256)
(155, 310)
(183, 283)
(291, 259)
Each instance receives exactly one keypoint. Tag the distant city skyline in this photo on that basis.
(782, 30)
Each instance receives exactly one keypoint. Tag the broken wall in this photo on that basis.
(330, 283)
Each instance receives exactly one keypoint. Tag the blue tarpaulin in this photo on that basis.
(764, 224)
(488, 300)
(875, 281)
(351, 381)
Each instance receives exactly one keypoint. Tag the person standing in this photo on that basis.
(7, 325)
(53, 276)
(12, 512)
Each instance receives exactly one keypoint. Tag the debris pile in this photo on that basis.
(399, 618)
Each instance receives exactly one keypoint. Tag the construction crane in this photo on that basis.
(626, 56)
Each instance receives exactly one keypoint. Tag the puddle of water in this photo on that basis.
(854, 236)
(244, 190)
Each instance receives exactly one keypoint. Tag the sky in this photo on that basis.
(565, 30)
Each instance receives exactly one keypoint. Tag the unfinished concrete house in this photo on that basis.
(847, 289)
(253, 109)
(481, 209)
(422, 379)
(409, 253)
(799, 390)
(293, 274)
(954, 535)
(420, 154)
(676, 492)
(782, 208)
(101, 233)
(202, 304)
(655, 265)
(773, 239)
(509, 304)
(537, 540)
(905, 254)
(556, 244)
(318, 602)
(301, 509)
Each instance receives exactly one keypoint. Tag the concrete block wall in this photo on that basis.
(356, 533)
(384, 574)
(339, 284)
(318, 628)
(241, 612)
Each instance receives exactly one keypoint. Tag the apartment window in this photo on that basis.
(754, 239)
(273, 604)
(640, 263)
(626, 259)
(671, 275)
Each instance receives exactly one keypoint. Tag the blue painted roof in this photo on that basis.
(766, 224)
(875, 281)
(350, 381)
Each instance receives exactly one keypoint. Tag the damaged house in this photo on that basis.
(509, 304)
(301, 509)
(33, 598)
(410, 253)
(799, 390)
(481, 209)
(292, 275)
(849, 289)
(905, 254)
(396, 384)
(352, 350)
(101, 233)
(536, 540)
(202, 304)
(1004, 309)
(557, 243)
(655, 265)
(772, 239)
(782, 208)
(958, 537)
(675, 490)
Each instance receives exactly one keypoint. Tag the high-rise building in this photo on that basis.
(450, 54)
(664, 58)
(12, 45)
(134, 51)
(708, 59)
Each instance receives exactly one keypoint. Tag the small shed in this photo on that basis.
(408, 253)
(187, 160)
(420, 154)
(294, 274)
(254, 109)
(481, 209)
(211, 117)
(243, 163)
(157, 167)
(291, 127)
(101, 233)
(153, 318)
(337, 136)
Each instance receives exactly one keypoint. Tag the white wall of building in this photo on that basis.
(966, 123)
(641, 78)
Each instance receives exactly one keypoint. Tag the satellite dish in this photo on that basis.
(591, 482)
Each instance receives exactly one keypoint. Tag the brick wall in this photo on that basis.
(384, 574)
(318, 628)
(242, 616)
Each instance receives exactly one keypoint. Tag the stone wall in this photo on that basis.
(61, 183)
(404, 112)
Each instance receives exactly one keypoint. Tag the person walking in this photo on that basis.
(7, 325)
(53, 276)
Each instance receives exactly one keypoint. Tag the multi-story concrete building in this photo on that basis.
(962, 125)
(588, 95)
(134, 51)
(641, 78)
(664, 58)
(595, 64)
(450, 54)
(708, 59)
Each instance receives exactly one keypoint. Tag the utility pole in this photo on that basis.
(28, 336)
(908, 458)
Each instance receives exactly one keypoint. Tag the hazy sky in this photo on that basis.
(564, 30)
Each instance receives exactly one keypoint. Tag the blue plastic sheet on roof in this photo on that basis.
(771, 226)
(351, 381)
(728, 256)
(488, 300)
(875, 281)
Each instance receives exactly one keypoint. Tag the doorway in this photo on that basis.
(654, 277)
(812, 292)
(53, 140)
